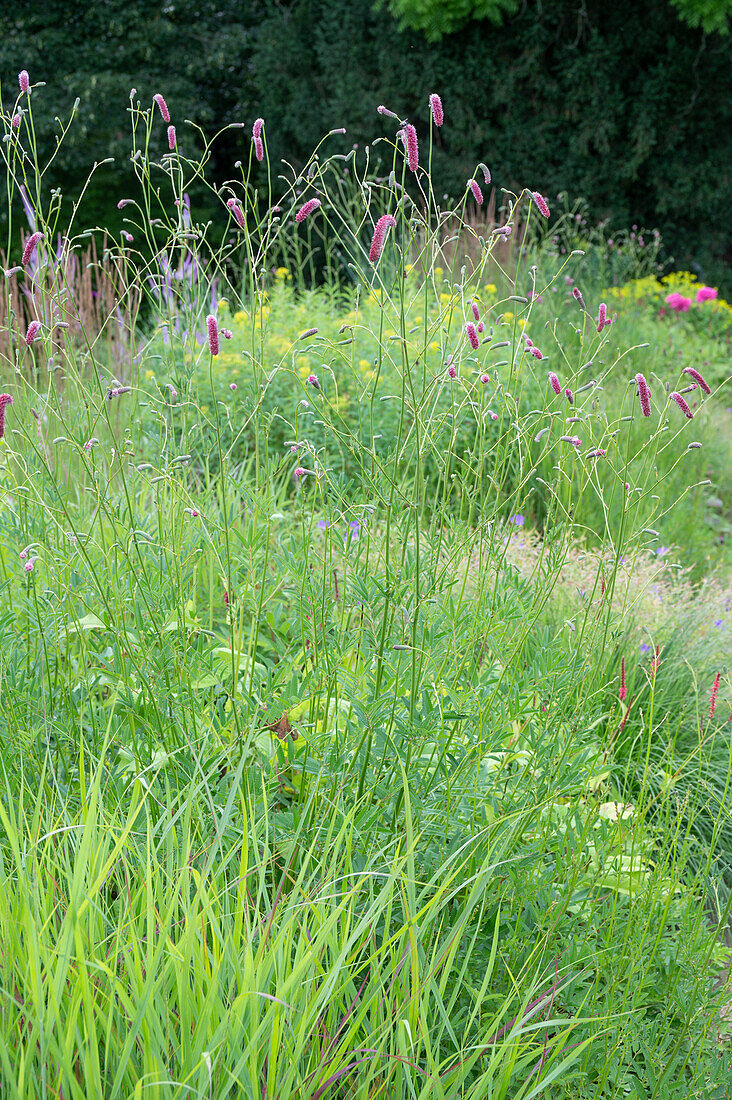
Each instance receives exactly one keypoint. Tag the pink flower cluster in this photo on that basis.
(383, 225)
(678, 303)
(257, 138)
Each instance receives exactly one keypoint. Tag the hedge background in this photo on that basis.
(621, 104)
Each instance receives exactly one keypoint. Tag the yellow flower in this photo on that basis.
(149, 374)
(490, 288)
(364, 363)
(434, 346)
(437, 271)
(282, 273)
(508, 316)
(223, 305)
(240, 316)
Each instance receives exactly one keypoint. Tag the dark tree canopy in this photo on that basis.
(623, 104)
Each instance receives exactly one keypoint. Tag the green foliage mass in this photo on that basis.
(620, 104)
(436, 18)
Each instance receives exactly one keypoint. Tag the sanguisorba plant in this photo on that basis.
(298, 800)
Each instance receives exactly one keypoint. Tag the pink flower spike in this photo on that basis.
(382, 110)
(213, 334)
(5, 400)
(15, 121)
(706, 294)
(492, 415)
(623, 693)
(299, 471)
(713, 696)
(697, 378)
(573, 439)
(171, 137)
(476, 192)
(452, 371)
(438, 115)
(30, 565)
(234, 207)
(383, 225)
(227, 333)
(476, 311)
(305, 209)
(486, 173)
(259, 149)
(480, 326)
(163, 107)
(127, 236)
(410, 141)
(541, 203)
(577, 295)
(472, 335)
(232, 386)
(554, 382)
(536, 353)
(484, 379)
(24, 80)
(601, 317)
(569, 395)
(123, 203)
(90, 443)
(644, 394)
(30, 247)
(682, 404)
(33, 329)
(597, 453)
(313, 381)
(257, 128)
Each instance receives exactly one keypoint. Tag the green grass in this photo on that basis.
(313, 786)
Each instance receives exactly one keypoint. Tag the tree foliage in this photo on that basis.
(436, 18)
(622, 104)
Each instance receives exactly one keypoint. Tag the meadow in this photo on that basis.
(364, 638)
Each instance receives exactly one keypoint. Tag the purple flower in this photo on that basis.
(234, 207)
(24, 80)
(518, 520)
(554, 382)
(472, 335)
(305, 209)
(410, 141)
(682, 404)
(644, 394)
(645, 648)
(385, 222)
(5, 400)
(719, 623)
(476, 192)
(541, 203)
(662, 551)
(323, 524)
(438, 115)
(692, 374)
(33, 329)
(213, 334)
(30, 247)
(163, 107)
